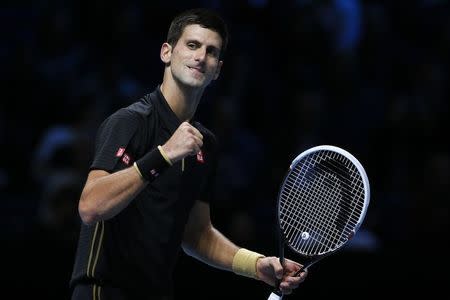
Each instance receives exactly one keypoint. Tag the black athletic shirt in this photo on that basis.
(137, 249)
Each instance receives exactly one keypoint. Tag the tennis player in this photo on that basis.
(148, 190)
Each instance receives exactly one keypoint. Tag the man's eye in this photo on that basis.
(191, 46)
(214, 53)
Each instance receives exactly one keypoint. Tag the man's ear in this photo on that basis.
(219, 67)
(166, 53)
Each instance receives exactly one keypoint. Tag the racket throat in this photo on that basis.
(307, 264)
(281, 245)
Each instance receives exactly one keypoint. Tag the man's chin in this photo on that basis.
(196, 84)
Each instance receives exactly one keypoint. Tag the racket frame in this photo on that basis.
(312, 259)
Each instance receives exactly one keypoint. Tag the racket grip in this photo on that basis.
(275, 296)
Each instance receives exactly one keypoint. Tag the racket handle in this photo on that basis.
(275, 296)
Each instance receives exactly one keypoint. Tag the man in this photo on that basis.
(149, 186)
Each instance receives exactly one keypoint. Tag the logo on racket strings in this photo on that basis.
(305, 235)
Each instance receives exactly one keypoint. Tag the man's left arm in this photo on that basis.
(204, 242)
(207, 244)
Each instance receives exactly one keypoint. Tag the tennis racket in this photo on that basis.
(321, 204)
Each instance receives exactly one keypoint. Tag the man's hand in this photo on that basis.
(269, 270)
(186, 140)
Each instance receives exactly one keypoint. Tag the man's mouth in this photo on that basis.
(198, 69)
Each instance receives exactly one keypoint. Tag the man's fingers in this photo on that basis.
(277, 268)
(191, 129)
(196, 144)
(290, 283)
(303, 274)
(187, 140)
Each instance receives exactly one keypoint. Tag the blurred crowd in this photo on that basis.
(369, 76)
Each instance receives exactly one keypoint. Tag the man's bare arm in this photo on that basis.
(105, 195)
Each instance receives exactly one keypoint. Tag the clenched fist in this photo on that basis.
(186, 140)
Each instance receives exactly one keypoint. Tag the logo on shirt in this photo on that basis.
(200, 158)
(126, 159)
(120, 152)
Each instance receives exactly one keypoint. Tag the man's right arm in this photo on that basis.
(105, 195)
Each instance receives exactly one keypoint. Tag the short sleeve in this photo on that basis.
(113, 138)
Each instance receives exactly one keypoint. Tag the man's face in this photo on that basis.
(194, 60)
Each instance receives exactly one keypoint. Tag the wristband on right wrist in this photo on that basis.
(151, 164)
(138, 171)
(163, 153)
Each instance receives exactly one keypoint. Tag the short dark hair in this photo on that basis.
(201, 16)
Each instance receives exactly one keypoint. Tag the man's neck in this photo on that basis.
(182, 101)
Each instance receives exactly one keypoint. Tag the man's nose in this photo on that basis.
(200, 54)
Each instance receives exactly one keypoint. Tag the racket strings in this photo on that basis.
(325, 235)
(321, 224)
(318, 225)
(342, 169)
(346, 206)
(319, 192)
(333, 215)
(334, 190)
(345, 169)
(358, 193)
(320, 233)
